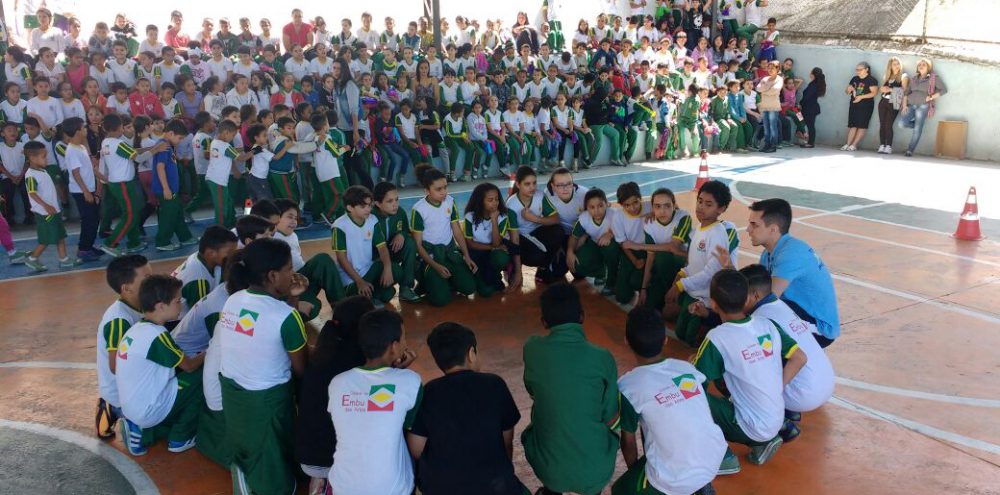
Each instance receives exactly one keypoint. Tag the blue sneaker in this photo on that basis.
(132, 437)
(730, 463)
(763, 453)
(789, 431)
(180, 446)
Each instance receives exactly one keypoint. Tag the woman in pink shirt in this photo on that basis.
(297, 33)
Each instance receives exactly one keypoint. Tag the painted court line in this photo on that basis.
(61, 365)
(937, 303)
(918, 427)
(916, 394)
(846, 209)
(131, 471)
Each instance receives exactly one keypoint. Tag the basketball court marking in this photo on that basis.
(847, 209)
(918, 427)
(131, 471)
(59, 365)
(916, 394)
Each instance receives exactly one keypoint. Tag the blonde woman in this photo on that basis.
(894, 84)
(919, 99)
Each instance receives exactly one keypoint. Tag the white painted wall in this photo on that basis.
(971, 97)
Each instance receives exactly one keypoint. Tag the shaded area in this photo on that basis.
(32, 463)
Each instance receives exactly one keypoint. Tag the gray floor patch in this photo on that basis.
(35, 464)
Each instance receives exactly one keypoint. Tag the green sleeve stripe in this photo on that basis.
(31, 184)
(167, 342)
(339, 240)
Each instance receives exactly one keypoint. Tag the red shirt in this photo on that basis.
(175, 39)
(298, 36)
(279, 99)
(145, 105)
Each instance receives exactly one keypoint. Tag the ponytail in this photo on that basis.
(341, 332)
(251, 264)
(235, 273)
(523, 172)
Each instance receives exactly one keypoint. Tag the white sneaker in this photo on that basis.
(881, 148)
(852, 148)
(845, 147)
(888, 150)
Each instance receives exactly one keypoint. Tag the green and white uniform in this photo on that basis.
(220, 165)
(629, 228)
(117, 319)
(50, 228)
(594, 260)
(665, 265)
(117, 155)
(360, 243)
(569, 211)
(697, 275)
(434, 222)
(198, 281)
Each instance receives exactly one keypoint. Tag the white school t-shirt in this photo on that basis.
(570, 210)
(202, 146)
(682, 444)
(814, 383)
(256, 332)
(587, 225)
(117, 154)
(40, 183)
(434, 221)
(77, 158)
(117, 319)
(194, 271)
(540, 206)
(220, 162)
(702, 264)
(193, 332)
(49, 109)
(628, 227)
(359, 242)
(12, 158)
(370, 409)
(261, 164)
(144, 372)
(482, 231)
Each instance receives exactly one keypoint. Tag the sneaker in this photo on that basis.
(845, 147)
(607, 291)
(89, 256)
(789, 431)
(138, 249)
(110, 251)
(18, 257)
(793, 416)
(881, 148)
(730, 463)
(852, 148)
(888, 150)
(188, 219)
(35, 265)
(70, 262)
(180, 446)
(406, 294)
(190, 242)
(763, 453)
(132, 437)
(908, 153)
(325, 219)
(173, 246)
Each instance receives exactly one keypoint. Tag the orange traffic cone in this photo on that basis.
(510, 187)
(702, 171)
(247, 206)
(968, 223)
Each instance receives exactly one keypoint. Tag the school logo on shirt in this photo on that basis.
(701, 245)
(247, 322)
(687, 385)
(380, 397)
(368, 235)
(215, 153)
(798, 327)
(123, 348)
(766, 344)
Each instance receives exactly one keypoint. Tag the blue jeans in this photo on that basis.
(398, 157)
(914, 118)
(772, 128)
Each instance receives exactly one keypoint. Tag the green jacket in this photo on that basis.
(572, 441)
(687, 114)
(718, 109)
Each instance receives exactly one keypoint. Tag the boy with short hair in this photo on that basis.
(813, 385)
(201, 143)
(82, 186)
(330, 173)
(321, 270)
(123, 188)
(46, 109)
(45, 207)
(570, 443)
(395, 226)
(470, 437)
(124, 275)
(741, 351)
(356, 237)
(683, 446)
(222, 164)
(166, 187)
(201, 272)
(122, 67)
(371, 406)
(282, 174)
(692, 284)
(160, 388)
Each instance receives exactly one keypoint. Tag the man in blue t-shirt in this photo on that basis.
(166, 187)
(799, 276)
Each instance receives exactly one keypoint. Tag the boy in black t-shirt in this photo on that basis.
(464, 431)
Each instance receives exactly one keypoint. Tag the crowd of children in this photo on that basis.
(265, 119)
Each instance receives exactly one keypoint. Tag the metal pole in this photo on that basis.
(923, 32)
(715, 21)
(436, 20)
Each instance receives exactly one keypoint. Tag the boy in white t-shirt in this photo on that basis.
(747, 353)
(683, 447)
(814, 384)
(160, 388)
(46, 109)
(356, 241)
(371, 407)
(221, 165)
(45, 208)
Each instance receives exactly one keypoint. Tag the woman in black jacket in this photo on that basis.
(810, 103)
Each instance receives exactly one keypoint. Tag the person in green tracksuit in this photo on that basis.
(571, 443)
(729, 131)
(666, 241)
(395, 227)
(456, 138)
(687, 123)
(328, 168)
(437, 233)
(592, 250)
(641, 121)
(597, 113)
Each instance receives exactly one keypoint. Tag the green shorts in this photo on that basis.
(56, 173)
(50, 229)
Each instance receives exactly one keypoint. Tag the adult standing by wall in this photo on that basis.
(920, 97)
(894, 84)
(799, 276)
(297, 33)
(348, 98)
(524, 33)
(174, 37)
(809, 103)
(862, 90)
(769, 89)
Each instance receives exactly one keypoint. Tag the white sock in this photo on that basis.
(11, 252)
(64, 259)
